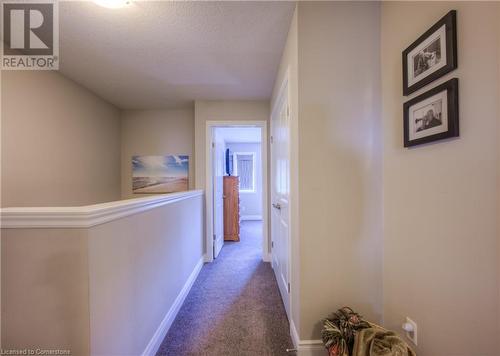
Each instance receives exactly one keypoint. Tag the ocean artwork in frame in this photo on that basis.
(160, 174)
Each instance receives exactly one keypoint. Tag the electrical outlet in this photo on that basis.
(410, 327)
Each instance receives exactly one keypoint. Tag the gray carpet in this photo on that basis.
(234, 307)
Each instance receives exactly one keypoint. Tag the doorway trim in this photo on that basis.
(210, 126)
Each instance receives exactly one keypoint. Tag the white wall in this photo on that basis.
(155, 132)
(339, 161)
(441, 201)
(251, 202)
(60, 143)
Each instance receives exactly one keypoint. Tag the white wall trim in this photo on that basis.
(312, 349)
(85, 216)
(306, 347)
(155, 342)
(251, 217)
(294, 334)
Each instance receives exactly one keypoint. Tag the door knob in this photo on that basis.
(277, 206)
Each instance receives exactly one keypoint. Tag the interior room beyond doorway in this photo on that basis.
(238, 184)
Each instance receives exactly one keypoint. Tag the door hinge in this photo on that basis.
(213, 144)
(215, 237)
(272, 244)
(288, 287)
(272, 139)
(287, 111)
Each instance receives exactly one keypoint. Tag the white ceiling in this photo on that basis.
(167, 54)
(239, 134)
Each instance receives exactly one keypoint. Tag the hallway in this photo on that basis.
(234, 307)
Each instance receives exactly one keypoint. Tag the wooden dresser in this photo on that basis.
(231, 209)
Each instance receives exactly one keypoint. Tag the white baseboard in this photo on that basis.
(294, 334)
(306, 347)
(314, 349)
(250, 217)
(266, 257)
(159, 335)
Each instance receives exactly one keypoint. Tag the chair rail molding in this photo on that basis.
(85, 216)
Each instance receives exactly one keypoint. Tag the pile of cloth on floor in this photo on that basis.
(345, 333)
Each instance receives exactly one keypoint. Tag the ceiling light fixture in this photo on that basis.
(113, 4)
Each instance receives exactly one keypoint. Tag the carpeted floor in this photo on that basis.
(234, 307)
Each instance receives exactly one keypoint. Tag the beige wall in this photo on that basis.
(102, 290)
(155, 132)
(350, 137)
(339, 161)
(137, 267)
(288, 70)
(45, 290)
(60, 143)
(441, 201)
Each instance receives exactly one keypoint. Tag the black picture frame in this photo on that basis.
(422, 53)
(417, 132)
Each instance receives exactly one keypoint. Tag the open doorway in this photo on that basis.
(237, 186)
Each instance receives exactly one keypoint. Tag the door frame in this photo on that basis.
(216, 140)
(209, 228)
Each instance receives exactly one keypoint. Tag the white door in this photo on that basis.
(280, 191)
(218, 173)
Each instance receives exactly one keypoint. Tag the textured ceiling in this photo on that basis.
(167, 54)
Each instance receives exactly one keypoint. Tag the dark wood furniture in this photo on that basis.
(231, 209)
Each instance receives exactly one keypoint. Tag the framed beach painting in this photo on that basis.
(160, 174)
(432, 55)
(432, 116)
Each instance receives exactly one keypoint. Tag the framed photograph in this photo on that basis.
(431, 56)
(160, 174)
(432, 116)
